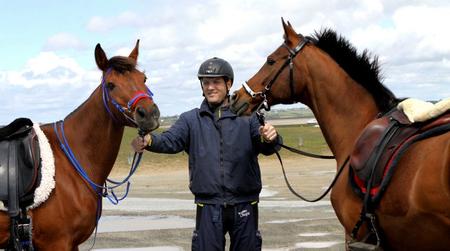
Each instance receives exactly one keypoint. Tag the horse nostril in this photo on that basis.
(155, 113)
(141, 112)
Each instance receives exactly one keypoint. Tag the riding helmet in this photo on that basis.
(215, 67)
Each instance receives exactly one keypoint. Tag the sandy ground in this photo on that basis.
(159, 211)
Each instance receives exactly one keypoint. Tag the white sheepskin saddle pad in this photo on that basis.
(47, 183)
(419, 111)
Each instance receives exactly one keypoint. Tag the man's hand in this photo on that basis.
(268, 133)
(140, 143)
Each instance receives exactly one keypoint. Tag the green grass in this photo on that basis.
(303, 137)
(156, 159)
(309, 136)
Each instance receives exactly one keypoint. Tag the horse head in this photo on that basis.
(275, 82)
(125, 95)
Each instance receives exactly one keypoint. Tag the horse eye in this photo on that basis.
(270, 61)
(110, 86)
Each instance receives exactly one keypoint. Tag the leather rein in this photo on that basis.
(260, 116)
(265, 105)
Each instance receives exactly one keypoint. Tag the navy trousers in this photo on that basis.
(240, 221)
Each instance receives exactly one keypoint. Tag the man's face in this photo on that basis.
(215, 89)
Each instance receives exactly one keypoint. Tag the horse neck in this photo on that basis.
(94, 137)
(341, 106)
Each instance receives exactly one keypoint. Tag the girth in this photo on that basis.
(19, 165)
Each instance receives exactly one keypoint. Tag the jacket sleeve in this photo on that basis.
(261, 146)
(174, 140)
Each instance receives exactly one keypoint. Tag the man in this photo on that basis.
(224, 173)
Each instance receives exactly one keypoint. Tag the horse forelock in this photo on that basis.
(363, 68)
(121, 64)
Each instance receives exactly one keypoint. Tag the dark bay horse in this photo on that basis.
(94, 132)
(343, 90)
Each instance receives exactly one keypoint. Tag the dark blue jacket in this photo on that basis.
(223, 162)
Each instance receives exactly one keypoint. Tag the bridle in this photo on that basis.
(289, 61)
(131, 105)
(106, 190)
(265, 105)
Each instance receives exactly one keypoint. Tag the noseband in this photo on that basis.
(289, 61)
(131, 105)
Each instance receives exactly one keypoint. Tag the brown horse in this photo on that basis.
(94, 132)
(344, 92)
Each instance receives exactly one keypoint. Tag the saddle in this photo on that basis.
(380, 146)
(377, 152)
(19, 165)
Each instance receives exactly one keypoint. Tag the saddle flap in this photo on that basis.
(377, 143)
(366, 144)
(19, 165)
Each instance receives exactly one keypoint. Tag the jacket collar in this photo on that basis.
(206, 110)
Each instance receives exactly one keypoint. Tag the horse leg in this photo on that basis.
(348, 240)
(4, 229)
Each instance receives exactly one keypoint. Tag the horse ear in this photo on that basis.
(100, 58)
(284, 25)
(134, 54)
(289, 32)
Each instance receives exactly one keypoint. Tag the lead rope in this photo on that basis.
(103, 189)
(324, 193)
(261, 119)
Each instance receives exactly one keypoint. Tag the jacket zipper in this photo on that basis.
(219, 127)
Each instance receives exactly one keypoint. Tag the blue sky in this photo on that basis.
(48, 65)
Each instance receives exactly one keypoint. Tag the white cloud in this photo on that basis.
(46, 89)
(244, 34)
(413, 49)
(63, 41)
(105, 24)
(47, 69)
(41, 104)
(409, 36)
(426, 24)
(98, 24)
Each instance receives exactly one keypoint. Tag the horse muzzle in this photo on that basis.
(238, 106)
(147, 119)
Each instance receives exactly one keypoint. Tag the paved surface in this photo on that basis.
(159, 212)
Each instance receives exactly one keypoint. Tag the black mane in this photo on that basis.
(121, 64)
(361, 67)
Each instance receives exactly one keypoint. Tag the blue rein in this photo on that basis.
(106, 190)
(102, 191)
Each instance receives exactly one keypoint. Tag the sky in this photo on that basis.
(47, 47)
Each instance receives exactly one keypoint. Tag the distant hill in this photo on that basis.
(274, 114)
(291, 113)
